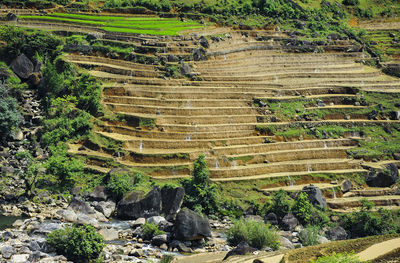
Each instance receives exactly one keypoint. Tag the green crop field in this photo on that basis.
(135, 25)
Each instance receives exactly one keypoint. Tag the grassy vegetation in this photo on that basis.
(346, 246)
(147, 25)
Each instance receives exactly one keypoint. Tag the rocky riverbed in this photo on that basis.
(185, 232)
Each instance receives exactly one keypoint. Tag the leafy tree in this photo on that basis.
(280, 204)
(302, 208)
(79, 243)
(201, 194)
(9, 115)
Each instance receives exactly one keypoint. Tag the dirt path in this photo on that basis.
(379, 249)
(218, 256)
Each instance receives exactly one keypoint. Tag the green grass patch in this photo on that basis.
(136, 25)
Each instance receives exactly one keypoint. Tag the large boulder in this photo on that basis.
(106, 208)
(336, 233)
(11, 17)
(22, 66)
(80, 207)
(134, 206)
(204, 42)
(199, 54)
(191, 226)
(346, 186)
(242, 249)
(172, 199)
(98, 194)
(289, 222)
(271, 218)
(383, 178)
(315, 196)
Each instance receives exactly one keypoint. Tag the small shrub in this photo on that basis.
(151, 230)
(66, 169)
(167, 259)
(338, 258)
(9, 115)
(309, 236)
(302, 208)
(120, 184)
(78, 243)
(280, 204)
(351, 2)
(256, 234)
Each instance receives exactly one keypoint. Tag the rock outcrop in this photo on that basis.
(191, 226)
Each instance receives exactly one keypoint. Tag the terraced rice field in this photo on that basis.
(243, 105)
(122, 24)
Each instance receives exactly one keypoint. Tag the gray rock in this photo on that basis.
(86, 219)
(172, 199)
(34, 246)
(20, 258)
(80, 206)
(242, 249)
(191, 226)
(383, 178)
(315, 196)
(139, 222)
(289, 222)
(35, 256)
(285, 243)
(11, 17)
(185, 69)
(133, 206)
(271, 218)
(337, 233)
(204, 42)
(256, 218)
(346, 186)
(155, 220)
(7, 252)
(98, 194)
(68, 215)
(109, 234)
(22, 66)
(106, 208)
(159, 240)
(45, 228)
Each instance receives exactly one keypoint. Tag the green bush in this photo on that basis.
(121, 183)
(256, 234)
(9, 115)
(351, 2)
(151, 230)
(309, 236)
(78, 243)
(65, 168)
(302, 208)
(338, 258)
(368, 223)
(64, 123)
(200, 193)
(280, 204)
(28, 42)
